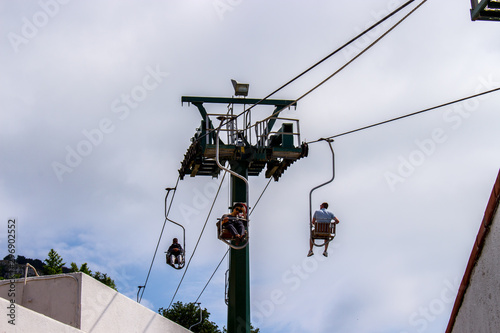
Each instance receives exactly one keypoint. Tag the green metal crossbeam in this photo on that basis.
(486, 10)
(233, 100)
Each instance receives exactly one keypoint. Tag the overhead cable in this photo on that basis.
(308, 92)
(222, 123)
(216, 268)
(201, 234)
(407, 115)
(139, 299)
(332, 53)
(225, 254)
(352, 60)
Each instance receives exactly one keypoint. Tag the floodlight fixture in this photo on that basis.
(240, 89)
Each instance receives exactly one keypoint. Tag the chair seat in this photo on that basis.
(224, 233)
(323, 230)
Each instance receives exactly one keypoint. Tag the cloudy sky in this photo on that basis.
(92, 132)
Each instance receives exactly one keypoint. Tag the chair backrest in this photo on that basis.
(322, 229)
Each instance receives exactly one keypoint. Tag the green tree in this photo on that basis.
(84, 268)
(21, 260)
(37, 263)
(53, 264)
(104, 278)
(9, 257)
(189, 314)
(74, 268)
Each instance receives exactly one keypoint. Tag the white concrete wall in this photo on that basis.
(23, 320)
(480, 310)
(83, 302)
(105, 310)
(56, 296)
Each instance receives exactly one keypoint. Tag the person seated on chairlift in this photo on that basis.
(175, 252)
(233, 222)
(322, 216)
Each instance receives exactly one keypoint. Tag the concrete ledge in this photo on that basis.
(80, 301)
(26, 320)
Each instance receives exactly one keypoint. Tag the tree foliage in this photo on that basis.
(84, 268)
(6, 269)
(53, 263)
(36, 263)
(189, 314)
(104, 278)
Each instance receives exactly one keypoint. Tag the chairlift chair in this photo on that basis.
(183, 245)
(180, 265)
(225, 235)
(324, 231)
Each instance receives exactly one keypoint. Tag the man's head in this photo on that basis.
(324, 205)
(175, 240)
(239, 207)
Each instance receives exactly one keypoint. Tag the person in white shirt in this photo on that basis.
(322, 216)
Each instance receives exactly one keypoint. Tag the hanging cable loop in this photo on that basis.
(180, 264)
(328, 240)
(220, 262)
(241, 246)
(157, 244)
(140, 287)
(201, 317)
(199, 238)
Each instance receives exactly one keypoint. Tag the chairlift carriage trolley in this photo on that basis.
(168, 255)
(322, 231)
(233, 242)
(268, 147)
(485, 10)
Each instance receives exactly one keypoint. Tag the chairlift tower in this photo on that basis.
(485, 10)
(272, 143)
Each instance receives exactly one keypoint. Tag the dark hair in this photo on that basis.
(325, 204)
(238, 205)
(175, 240)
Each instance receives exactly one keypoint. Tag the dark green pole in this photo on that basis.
(238, 313)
